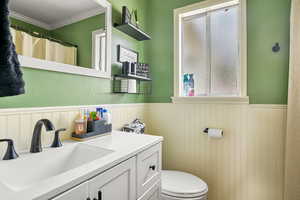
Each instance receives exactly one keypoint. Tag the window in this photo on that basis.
(210, 50)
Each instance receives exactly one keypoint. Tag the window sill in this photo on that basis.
(211, 100)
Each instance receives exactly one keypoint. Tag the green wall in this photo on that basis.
(80, 34)
(268, 23)
(45, 88)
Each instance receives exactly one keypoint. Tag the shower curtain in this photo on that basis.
(292, 165)
(41, 48)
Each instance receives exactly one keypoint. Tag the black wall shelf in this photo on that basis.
(133, 31)
(144, 85)
(130, 76)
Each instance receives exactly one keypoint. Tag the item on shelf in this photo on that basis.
(134, 18)
(127, 55)
(132, 86)
(126, 16)
(137, 126)
(92, 123)
(80, 123)
(128, 86)
(143, 70)
(191, 86)
(124, 86)
(130, 25)
(188, 85)
(96, 126)
(80, 126)
(129, 68)
(107, 116)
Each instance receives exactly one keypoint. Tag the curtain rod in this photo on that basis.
(40, 35)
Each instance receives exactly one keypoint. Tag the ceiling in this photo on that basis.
(52, 14)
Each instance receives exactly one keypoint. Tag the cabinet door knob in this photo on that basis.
(152, 167)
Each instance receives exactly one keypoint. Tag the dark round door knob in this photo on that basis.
(152, 167)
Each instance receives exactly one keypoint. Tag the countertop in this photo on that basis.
(123, 145)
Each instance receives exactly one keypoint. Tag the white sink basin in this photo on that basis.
(30, 169)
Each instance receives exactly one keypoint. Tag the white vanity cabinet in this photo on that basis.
(117, 183)
(137, 178)
(80, 192)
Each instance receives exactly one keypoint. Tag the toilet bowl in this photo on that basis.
(178, 185)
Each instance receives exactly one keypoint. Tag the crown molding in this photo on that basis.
(29, 20)
(71, 20)
(77, 18)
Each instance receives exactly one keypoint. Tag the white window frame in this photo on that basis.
(203, 7)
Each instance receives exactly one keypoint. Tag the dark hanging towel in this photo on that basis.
(11, 82)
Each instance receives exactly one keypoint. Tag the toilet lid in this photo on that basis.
(181, 184)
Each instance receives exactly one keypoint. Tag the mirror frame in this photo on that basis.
(35, 63)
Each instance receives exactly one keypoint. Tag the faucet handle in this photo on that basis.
(56, 142)
(10, 152)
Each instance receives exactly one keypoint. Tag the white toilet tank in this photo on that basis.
(178, 185)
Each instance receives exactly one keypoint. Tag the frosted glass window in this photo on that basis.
(224, 52)
(210, 53)
(195, 53)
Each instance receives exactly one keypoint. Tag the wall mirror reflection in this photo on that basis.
(66, 36)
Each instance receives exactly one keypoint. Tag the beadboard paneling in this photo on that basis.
(18, 124)
(247, 164)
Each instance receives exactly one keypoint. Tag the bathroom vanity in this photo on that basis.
(120, 166)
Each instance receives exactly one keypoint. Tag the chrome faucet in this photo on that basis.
(36, 144)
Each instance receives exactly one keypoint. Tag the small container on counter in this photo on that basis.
(80, 126)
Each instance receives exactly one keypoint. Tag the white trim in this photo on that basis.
(36, 63)
(108, 27)
(209, 100)
(71, 20)
(77, 18)
(29, 20)
(13, 111)
(243, 45)
(269, 106)
(250, 106)
(95, 46)
(201, 7)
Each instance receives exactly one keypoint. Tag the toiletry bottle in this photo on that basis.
(107, 116)
(191, 86)
(101, 113)
(186, 85)
(98, 110)
(86, 115)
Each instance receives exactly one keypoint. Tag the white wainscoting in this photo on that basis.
(247, 164)
(18, 124)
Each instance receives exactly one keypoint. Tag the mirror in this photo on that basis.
(66, 36)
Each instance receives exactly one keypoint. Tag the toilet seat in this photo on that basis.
(182, 185)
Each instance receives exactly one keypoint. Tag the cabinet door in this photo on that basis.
(117, 183)
(153, 193)
(149, 169)
(79, 192)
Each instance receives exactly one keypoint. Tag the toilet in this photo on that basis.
(178, 185)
